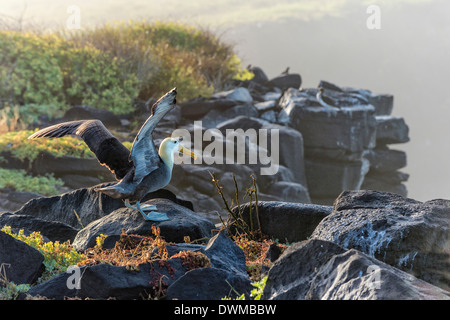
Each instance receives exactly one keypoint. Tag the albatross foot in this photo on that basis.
(155, 216)
(148, 207)
(152, 216)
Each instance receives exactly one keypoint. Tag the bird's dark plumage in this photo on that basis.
(109, 151)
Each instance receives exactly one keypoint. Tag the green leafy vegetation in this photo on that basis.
(255, 294)
(19, 180)
(49, 70)
(166, 54)
(9, 290)
(111, 66)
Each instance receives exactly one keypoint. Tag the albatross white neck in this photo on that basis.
(166, 152)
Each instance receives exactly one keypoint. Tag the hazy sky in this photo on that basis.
(329, 40)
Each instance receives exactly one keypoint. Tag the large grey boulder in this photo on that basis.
(19, 262)
(405, 233)
(103, 281)
(88, 204)
(51, 230)
(353, 275)
(209, 284)
(286, 81)
(287, 222)
(183, 222)
(291, 275)
(316, 269)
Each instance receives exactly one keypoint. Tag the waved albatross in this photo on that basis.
(140, 171)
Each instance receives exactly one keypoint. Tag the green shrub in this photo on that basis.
(108, 67)
(94, 78)
(164, 55)
(29, 72)
(19, 180)
(49, 70)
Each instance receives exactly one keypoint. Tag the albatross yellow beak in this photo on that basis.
(188, 152)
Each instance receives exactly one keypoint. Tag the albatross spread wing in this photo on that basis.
(144, 153)
(109, 151)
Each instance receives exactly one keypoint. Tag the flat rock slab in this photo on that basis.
(287, 222)
(352, 128)
(11, 200)
(391, 129)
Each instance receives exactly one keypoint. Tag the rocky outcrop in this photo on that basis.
(408, 234)
(330, 272)
(320, 152)
(369, 245)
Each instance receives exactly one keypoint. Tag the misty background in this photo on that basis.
(322, 40)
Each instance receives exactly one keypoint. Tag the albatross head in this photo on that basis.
(169, 146)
